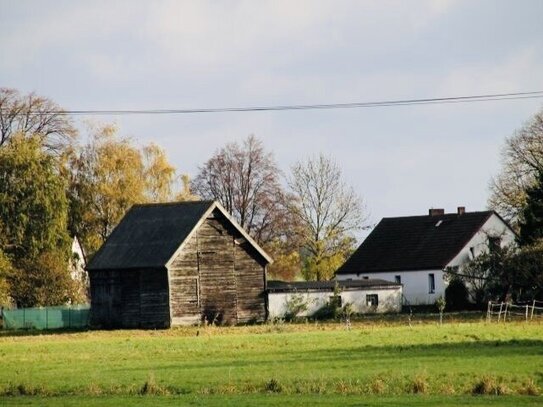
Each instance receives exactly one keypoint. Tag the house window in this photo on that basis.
(365, 278)
(398, 279)
(431, 283)
(335, 301)
(372, 300)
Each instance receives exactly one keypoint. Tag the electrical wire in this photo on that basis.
(353, 105)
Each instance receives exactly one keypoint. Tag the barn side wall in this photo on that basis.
(217, 277)
(129, 298)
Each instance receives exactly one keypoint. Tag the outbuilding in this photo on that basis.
(177, 263)
(365, 296)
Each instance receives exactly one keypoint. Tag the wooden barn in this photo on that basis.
(174, 264)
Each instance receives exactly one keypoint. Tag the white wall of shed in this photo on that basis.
(389, 300)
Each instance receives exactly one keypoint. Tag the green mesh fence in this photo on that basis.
(76, 316)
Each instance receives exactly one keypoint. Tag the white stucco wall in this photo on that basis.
(389, 300)
(415, 282)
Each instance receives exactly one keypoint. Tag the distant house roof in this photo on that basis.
(284, 286)
(150, 235)
(415, 242)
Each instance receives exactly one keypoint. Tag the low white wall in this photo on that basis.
(389, 300)
(415, 284)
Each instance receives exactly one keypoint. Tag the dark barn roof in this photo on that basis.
(415, 242)
(148, 235)
(284, 286)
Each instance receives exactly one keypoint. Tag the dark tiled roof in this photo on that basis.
(281, 286)
(414, 242)
(149, 235)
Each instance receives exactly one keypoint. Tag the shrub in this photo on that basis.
(296, 304)
(419, 385)
(273, 386)
(530, 389)
(456, 295)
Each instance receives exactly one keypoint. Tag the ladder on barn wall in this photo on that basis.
(503, 311)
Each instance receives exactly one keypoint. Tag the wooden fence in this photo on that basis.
(504, 311)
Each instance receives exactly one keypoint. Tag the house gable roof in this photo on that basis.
(415, 242)
(150, 235)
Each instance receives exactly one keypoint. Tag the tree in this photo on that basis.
(245, 180)
(531, 216)
(109, 175)
(44, 281)
(34, 245)
(522, 162)
(329, 212)
(33, 203)
(159, 174)
(6, 270)
(34, 116)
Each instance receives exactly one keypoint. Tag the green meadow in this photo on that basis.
(459, 363)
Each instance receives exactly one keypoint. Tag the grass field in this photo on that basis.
(372, 364)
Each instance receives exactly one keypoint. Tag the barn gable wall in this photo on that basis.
(217, 276)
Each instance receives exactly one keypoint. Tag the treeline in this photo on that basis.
(54, 187)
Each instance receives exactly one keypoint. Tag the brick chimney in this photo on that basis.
(461, 210)
(436, 212)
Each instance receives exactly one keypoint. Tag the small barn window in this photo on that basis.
(398, 279)
(335, 301)
(372, 300)
(431, 283)
(366, 278)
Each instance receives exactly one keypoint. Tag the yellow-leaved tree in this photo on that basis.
(110, 174)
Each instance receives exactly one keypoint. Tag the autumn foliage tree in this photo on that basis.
(109, 175)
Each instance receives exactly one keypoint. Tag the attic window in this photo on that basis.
(439, 222)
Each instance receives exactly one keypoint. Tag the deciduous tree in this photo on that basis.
(522, 162)
(245, 180)
(329, 212)
(109, 175)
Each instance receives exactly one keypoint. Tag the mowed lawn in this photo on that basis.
(322, 364)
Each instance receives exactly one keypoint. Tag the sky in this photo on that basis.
(205, 54)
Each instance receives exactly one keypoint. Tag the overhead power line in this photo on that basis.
(353, 105)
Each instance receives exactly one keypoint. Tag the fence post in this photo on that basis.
(500, 311)
(533, 307)
(505, 312)
(488, 311)
(526, 312)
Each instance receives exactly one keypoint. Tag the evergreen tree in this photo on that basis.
(531, 223)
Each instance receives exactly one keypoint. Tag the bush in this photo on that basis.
(296, 305)
(456, 295)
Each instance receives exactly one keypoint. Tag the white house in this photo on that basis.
(415, 250)
(365, 296)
